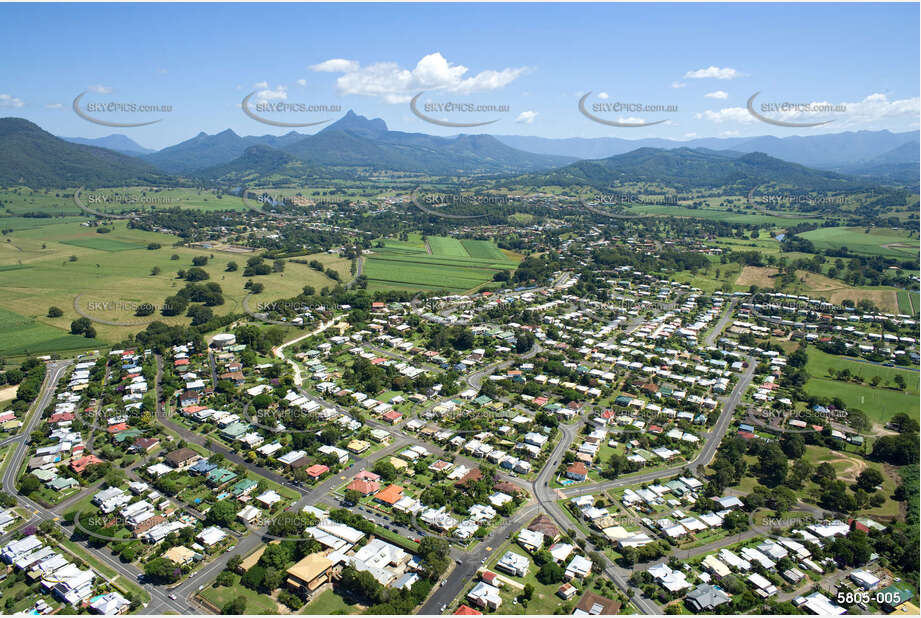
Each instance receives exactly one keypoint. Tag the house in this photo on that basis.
(673, 581)
(180, 555)
(865, 580)
(110, 604)
(81, 464)
(311, 572)
(513, 563)
(705, 598)
(145, 445)
(210, 536)
(365, 488)
(181, 458)
(466, 610)
(592, 604)
(531, 540)
(316, 471)
(484, 595)
(818, 604)
(577, 471)
(763, 587)
(389, 495)
(567, 591)
(544, 524)
(579, 567)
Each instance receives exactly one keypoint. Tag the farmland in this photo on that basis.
(54, 264)
(453, 265)
(878, 241)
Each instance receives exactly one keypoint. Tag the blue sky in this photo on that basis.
(536, 59)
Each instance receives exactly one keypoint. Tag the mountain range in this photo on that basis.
(688, 168)
(29, 155)
(116, 141)
(826, 151)
(354, 141)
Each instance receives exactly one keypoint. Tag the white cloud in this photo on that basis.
(279, 94)
(678, 84)
(727, 114)
(100, 89)
(393, 84)
(262, 85)
(717, 94)
(732, 133)
(54, 106)
(631, 120)
(690, 135)
(302, 82)
(713, 73)
(8, 100)
(526, 117)
(603, 96)
(336, 65)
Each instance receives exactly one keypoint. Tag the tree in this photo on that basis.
(29, 484)
(162, 570)
(232, 266)
(773, 465)
(222, 513)
(235, 561)
(434, 552)
(54, 312)
(155, 271)
(144, 309)
(79, 326)
(200, 314)
(793, 445)
(90, 332)
(351, 496)
(254, 577)
(237, 607)
(199, 260)
(257, 288)
(550, 573)
(196, 274)
(385, 470)
(869, 479)
(899, 381)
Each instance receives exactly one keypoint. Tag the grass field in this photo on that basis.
(820, 362)
(36, 272)
(327, 603)
(879, 404)
(453, 265)
(908, 302)
(715, 214)
(879, 241)
(256, 603)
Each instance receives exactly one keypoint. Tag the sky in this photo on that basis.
(529, 63)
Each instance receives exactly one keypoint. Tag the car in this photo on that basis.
(172, 596)
(443, 582)
(202, 587)
(483, 561)
(443, 607)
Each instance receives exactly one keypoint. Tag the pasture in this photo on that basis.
(886, 242)
(112, 274)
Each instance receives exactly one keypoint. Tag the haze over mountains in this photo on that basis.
(32, 156)
(687, 168)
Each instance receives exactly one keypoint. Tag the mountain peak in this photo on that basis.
(359, 124)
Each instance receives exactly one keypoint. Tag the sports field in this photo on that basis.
(453, 265)
(879, 403)
(887, 242)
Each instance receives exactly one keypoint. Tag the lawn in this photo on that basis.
(328, 602)
(879, 241)
(908, 302)
(255, 603)
(448, 246)
(820, 362)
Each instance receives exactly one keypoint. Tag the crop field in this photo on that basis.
(451, 266)
(879, 241)
(111, 274)
(908, 302)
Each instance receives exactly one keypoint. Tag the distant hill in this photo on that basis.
(257, 162)
(829, 151)
(686, 168)
(116, 141)
(899, 165)
(356, 141)
(34, 157)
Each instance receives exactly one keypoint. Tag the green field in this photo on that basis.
(451, 266)
(19, 334)
(715, 214)
(908, 302)
(879, 241)
(879, 404)
(103, 244)
(328, 602)
(820, 362)
(36, 272)
(256, 603)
